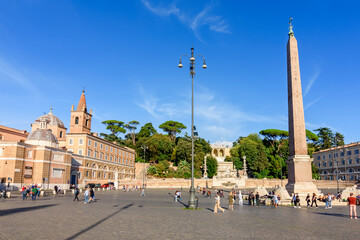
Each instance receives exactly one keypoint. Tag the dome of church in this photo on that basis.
(42, 135)
(51, 119)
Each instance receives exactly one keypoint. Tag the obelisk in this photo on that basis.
(299, 162)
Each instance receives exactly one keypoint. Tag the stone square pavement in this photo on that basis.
(120, 215)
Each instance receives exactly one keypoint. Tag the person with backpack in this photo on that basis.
(33, 193)
(24, 193)
(76, 194)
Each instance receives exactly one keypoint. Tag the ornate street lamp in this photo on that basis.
(192, 203)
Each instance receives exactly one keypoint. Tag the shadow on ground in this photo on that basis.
(98, 222)
(24, 209)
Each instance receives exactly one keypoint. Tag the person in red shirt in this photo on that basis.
(352, 205)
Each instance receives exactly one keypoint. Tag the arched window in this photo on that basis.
(86, 122)
(76, 120)
(94, 174)
(60, 134)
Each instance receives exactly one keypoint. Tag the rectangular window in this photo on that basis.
(101, 155)
(89, 153)
(342, 162)
(101, 146)
(115, 159)
(356, 151)
(349, 161)
(330, 164)
(106, 157)
(318, 158)
(79, 175)
(358, 160)
(29, 154)
(324, 164)
(111, 158)
(115, 151)
(106, 147)
(80, 151)
(89, 142)
(81, 141)
(99, 174)
(71, 150)
(123, 153)
(111, 149)
(95, 144)
(336, 155)
(71, 141)
(324, 157)
(57, 173)
(349, 152)
(87, 173)
(330, 155)
(95, 154)
(341, 154)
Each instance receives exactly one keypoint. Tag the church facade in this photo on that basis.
(50, 155)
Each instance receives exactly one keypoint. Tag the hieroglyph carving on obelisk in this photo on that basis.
(299, 162)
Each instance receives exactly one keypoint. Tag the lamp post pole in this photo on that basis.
(144, 147)
(192, 203)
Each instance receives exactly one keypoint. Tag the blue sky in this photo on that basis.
(125, 54)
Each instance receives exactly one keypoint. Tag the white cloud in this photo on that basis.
(203, 18)
(310, 84)
(17, 77)
(213, 115)
(311, 103)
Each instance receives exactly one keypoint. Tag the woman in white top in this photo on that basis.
(87, 193)
(240, 198)
(217, 204)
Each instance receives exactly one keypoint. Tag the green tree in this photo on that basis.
(184, 169)
(160, 147)
(325, 137)
(253, 148)
(147, 131)
(338, 139)
(211, 166)
(115, 127)
(173, 128)
(131, 127)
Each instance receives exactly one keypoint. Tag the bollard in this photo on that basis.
(73, 191)
(54, 192)
(80, 190)
(42, 193)
(8, 194)
(103, 189)
(64, 191)
(98, 189)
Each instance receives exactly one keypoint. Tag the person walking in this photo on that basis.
(92, 195)
(33, 193)
(327, 201)
(241, 201)
(314, 200)
(308, 200)
(276, 200)
(24, 194)
(257, 197)
(176, 196)
(76, 194)
(231, 201)
(351, 202)
(142, 192)
(217, 204)
(87, 193)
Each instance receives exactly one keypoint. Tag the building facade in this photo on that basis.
(342, 162)
(49, 156)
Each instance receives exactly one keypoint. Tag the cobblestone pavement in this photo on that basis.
(119, 215)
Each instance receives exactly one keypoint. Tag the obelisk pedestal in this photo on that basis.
(299, 162)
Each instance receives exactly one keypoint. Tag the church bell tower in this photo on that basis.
(80, 121)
